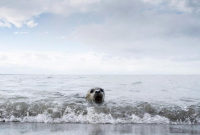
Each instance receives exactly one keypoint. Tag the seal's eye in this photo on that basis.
(101, 90)
(91, 91)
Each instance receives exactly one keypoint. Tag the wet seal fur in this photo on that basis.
(96, 95)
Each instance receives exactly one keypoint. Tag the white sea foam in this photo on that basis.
(90, 118)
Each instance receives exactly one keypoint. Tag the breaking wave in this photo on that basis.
(110, 113)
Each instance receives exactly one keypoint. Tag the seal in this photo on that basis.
(96, 95)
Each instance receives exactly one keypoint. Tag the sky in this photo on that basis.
(100, 37)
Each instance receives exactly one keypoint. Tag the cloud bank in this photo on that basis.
(89, 63)
(131, 36)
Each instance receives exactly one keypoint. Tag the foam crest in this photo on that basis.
(110, 113)
(70, 116)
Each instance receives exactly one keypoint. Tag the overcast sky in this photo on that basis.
(80, 37)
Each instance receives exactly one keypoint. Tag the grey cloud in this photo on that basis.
(140, 26)
(181, 6)
(18, 12)
(194, 5)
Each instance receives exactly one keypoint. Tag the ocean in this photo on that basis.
(131, 100)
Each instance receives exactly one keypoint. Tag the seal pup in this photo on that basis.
(96, 95)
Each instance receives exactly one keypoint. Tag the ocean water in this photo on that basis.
(128, 99)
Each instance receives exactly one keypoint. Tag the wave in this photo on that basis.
(110, 113)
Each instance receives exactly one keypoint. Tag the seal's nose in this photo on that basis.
(97, 91)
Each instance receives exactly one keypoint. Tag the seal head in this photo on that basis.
(96, 95)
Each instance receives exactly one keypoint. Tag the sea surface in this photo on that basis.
(152, 99)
